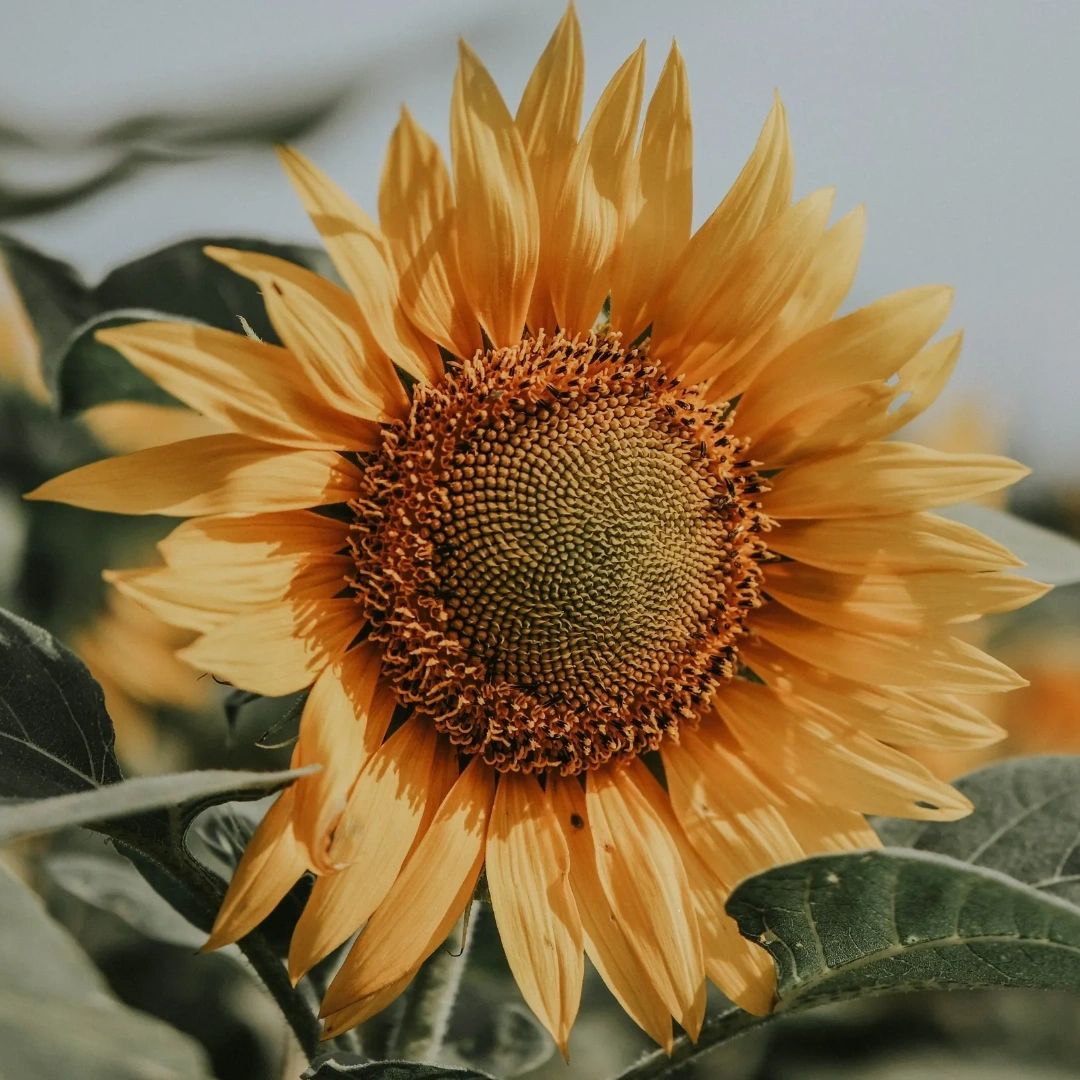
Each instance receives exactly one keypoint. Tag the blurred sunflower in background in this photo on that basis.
(129, 650)
(585, 533)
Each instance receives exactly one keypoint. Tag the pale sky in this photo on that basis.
(956, 123)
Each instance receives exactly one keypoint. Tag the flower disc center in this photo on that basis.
(558, 549)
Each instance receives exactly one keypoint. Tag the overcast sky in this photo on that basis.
(956, 123)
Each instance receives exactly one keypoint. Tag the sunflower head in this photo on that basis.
(586, 531)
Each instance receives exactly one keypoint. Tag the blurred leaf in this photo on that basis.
(1026, 824)
(183, 794)
(55, 296)
(339, 1064)
(55, 734)
(1050, 556)
(161, 138)
(110, 883)
(176, 282)
(506, 1040)
(844, 926)
(57, 1017)
(182, 280)
(92, 373)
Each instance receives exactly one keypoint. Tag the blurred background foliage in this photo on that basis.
(55, 414)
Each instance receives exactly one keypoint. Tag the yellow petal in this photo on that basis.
(871, 343)
(585, 226)
(920, 381)
(321, 325)
(729, 816)
(528, 875)
(338, 1022)
(643, 878)
(278, 649)
(393, 802)
(271, 864)
(900, 603)
(168, 597)
(548, 119)
(416, 211)
(899, 544)
(816, 752)
(251, 387)
(745, 303)
(124, 426)
(426, 899)
(897, 717)
(759, 195)
(742, 969)
(607, 939)
(217, 474)
(360, 253)
(825, 424)
(498, 224)
(930, 662)
(204, 597)
(253, 540)
(885, 478)
(655, 224)
(339, 731)
(814, 301)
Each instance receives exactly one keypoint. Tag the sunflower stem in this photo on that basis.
(430, 1001)
(716, 1030)
(206, 889)
(275, 978)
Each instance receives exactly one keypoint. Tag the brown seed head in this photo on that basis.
(558, 549)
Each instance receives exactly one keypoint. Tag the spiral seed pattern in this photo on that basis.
(558, 549)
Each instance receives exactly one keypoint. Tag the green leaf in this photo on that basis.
(182, 280)
(339, 1064)
(55, 735)
(1026, 824)
(1049, 556)
(58, 740)
(109, 882)
(91, 373)
(184, 794)
(176, 282)
(991, 900)
(56, 298)
(57, 1017)
(853, 925)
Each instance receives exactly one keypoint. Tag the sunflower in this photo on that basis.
(585, 533)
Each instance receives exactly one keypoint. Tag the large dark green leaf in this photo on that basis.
(1026, 824)
(57, 751)
(844, 926)
(107, 881)
(338, 1064)
(55, 736)
(57, 1017)
(987, 901)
